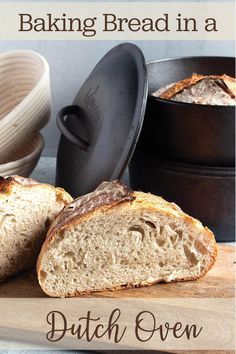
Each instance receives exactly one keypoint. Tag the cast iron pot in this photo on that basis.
(186, 132)
(206, 193)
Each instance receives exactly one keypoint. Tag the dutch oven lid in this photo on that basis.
(105, 120)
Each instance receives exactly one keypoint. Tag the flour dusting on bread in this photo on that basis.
(201, 89)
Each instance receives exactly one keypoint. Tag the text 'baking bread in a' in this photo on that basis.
(115, 238)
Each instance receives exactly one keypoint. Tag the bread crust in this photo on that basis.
(227, 83)
(139, 200)
(82, 206)
(7, 184)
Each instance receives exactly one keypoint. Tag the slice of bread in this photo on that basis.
(115, 238)
(26, 210)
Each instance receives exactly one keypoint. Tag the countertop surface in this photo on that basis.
(45, 170)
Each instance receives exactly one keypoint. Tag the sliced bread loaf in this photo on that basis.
(26, 210)
(115, 238)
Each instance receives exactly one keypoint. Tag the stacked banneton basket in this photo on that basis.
(25, 108)
(186, 152)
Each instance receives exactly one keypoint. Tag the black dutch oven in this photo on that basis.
(100, 131)
(207, 193)
(186, 132)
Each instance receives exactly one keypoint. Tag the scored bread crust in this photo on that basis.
(227, 83)
(105, 196)
(135, 201)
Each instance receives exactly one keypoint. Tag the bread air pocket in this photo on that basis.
(27, 208)
(115, 238)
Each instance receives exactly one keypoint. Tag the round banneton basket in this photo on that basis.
(25, 99)
(23, 161)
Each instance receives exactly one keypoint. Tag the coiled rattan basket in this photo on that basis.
(24, 160)
(25, 100)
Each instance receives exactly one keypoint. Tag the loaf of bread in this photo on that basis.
(26, 210)
(115, 238)
(200, 89)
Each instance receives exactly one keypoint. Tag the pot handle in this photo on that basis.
(66, 111)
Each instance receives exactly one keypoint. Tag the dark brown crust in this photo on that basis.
(106, 195)
(6, 183)
(223, 85)
(226, 82)
(230, 82)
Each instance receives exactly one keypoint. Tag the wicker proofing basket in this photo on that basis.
(25, 99)
(24, 160)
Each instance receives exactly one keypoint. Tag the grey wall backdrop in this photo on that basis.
(72, 61)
